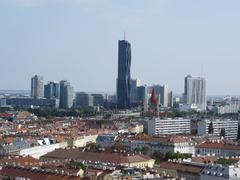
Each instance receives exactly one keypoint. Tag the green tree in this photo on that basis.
(158, 157)
(144, 149)
(210, 128)
(226, 162)
(222, 132)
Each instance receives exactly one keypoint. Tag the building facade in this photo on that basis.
(51, 90)
(164, 94)
(219, 172)
(135, 83)
(66, 95)
(230, 127)
(218, 149)
(98, 100)
(157, 126)
(37, 87)
(142, 97)
(195, 92)
(83, 100)
(28, 102)
(162, 144)
(124, 74)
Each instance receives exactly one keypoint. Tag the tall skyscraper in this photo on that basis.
(163, 92)
(37, 87)
(66, 95)
(51, 90)
(195, 92)
(164, 95)
(142, 97)
(124, 74)
(134, 83)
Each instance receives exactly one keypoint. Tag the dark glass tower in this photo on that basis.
(124, 74)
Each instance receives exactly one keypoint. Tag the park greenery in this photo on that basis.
(49, 113)
(143, 150)
(226, 162)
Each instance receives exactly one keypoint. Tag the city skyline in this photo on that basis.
(169, 40)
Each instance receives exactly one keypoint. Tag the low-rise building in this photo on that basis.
(217, 149)
(180, 170)
(22, 173)
(219, 172)
(28, 102)
(162, 144)
(100, 159)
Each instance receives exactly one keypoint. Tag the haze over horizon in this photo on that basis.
(77, 40)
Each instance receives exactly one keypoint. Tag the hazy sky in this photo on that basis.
(77, 40)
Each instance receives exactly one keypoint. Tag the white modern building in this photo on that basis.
(37, 87)
(229, 125)
(231, 107)
(195, 92)
(157, 126)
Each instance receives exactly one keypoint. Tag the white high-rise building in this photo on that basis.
(37, 87)
(66, 95)
(195, 92)
(164, 95)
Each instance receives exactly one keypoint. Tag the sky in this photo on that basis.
(77, 40)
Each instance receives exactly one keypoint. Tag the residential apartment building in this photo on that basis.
(217, 149)
(157, 126)
(230, 126)
(219, 172)
(162, 144)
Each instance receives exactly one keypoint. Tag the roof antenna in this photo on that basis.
(124, 35)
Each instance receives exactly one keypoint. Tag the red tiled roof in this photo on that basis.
(195, 169)
(6, 115)
(34, 174)
(218, 146)
(211, 145)
(77, 154)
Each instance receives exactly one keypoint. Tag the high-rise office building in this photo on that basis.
(170, 99)
(51, 90)
(37, 87)
(165, 95)
(83, 100)
(98, 99)
(124, 74)
(142, 97)
(66, 95)
(134, 84)
(195, 92)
